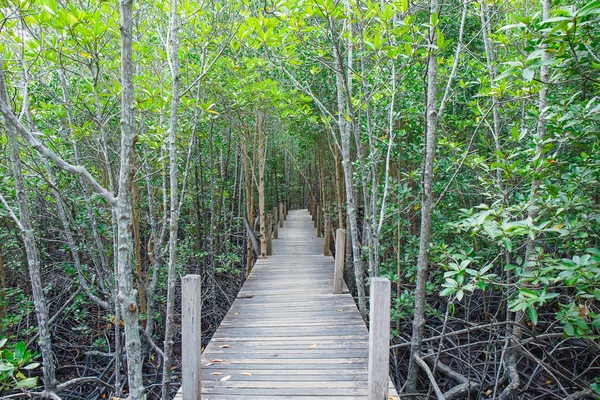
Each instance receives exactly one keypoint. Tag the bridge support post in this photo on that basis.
(275, 223)
(319, 223)
(379, 339)
(316, 218)
(281, 215)
(327, 241)
(191, 318)
(269, 233)
(340, 250)
(285, 210)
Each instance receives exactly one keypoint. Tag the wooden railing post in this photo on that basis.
(379, 339)
(269, 233)
(191, 336)
(327, 239)
(340, 250)
(319, 223)
(281, 215)
(275, 223)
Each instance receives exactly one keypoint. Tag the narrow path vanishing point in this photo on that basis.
(286, 335)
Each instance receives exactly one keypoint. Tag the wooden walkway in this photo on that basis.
(286, 335)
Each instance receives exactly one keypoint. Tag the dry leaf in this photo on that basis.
(225, 378)
(225, 346)
(312, 346)
(488, 392)
(217, 373)
(246, 373)
(339, 310)
(216, 360)
(208, 364)
(236, 313)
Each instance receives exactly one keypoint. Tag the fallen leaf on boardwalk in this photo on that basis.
(217, 373)
(225, 346)
(339, 310)
(246, 373)
(208, 364)
(236, 313)
(312, 346)
(390, 397)
(216, 360)
(225, 378)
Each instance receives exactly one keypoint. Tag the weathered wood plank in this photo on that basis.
(379, 339)
(340, 249)
(191, 318)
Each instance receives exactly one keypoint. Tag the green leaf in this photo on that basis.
(528, 74)
(591, 8)
(440, 40)
(532, 314)
(31, 366)
(569, 330)
(20, 350)
(434, 18)
(27, 383)
(404, 6)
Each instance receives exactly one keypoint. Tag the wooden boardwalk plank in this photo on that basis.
(287, 335)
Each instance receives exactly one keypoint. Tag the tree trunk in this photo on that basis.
(346, 134)
(174, 205)
(426, 205)
(126, 293)
(249, 197)
(33, 262)
(260, 119)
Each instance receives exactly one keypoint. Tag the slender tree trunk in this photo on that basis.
(155, 253)
(33, 262)
(139, 275)
(249, 196)
(260, 119)
(346, 134)
(126, 293)
(510, 365)
(3, 285)
(174, 205)
(490, 59)
(426, 206)
(212, 290)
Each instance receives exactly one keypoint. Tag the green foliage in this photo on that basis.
(15, 362)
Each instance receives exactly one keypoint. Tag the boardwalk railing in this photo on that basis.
(377, 379)
(191, 336)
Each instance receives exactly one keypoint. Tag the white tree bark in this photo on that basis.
(174, 220)
(126, 293)
(346, 134)
(426, 204)
(24, 224)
